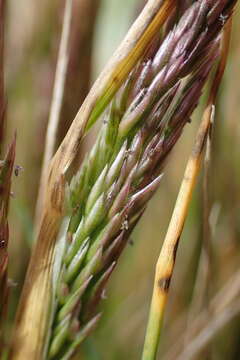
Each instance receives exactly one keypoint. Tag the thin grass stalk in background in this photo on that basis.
(72, 79)
(215, 324)
(56, 105)
(166, 261)
(80, 64)
(37, 293)
(222, 300)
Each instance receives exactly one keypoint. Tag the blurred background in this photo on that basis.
(31, 48)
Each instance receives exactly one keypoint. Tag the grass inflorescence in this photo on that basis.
(109, 194)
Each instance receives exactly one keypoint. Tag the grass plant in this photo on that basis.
(144, 98)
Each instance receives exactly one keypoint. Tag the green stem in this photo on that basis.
(153, 333)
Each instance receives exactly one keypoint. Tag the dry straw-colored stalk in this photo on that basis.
(167, 257)
(29, 338)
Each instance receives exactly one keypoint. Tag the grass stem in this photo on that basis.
(56, 105)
